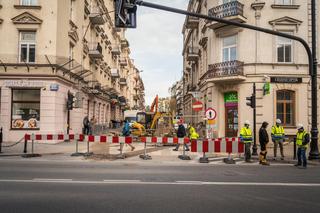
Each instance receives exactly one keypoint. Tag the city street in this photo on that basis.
(36, 185)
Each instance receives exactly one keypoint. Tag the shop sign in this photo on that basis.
(231, 98)
(23, 83)
(54, 87)
(266, 88)
(286, 80)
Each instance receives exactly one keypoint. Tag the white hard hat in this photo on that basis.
(299, 126)
(278, 121)
(247, 122)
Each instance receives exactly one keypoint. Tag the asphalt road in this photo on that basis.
(44, 186)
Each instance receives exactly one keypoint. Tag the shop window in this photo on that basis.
(284, 49)
(27, 47)
(29, 2)
(25, 109)
(229, 48)
(286, 107)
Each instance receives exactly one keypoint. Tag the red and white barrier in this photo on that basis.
(219, 145)
(49, 137)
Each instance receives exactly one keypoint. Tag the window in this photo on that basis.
(29, 2)
(284, 49)
(229, 50)
(27, 47)
(284, 2)
(25, 109)
(286, 107)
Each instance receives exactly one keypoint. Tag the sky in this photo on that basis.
(156, 47)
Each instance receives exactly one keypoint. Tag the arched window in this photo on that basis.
(286, 107)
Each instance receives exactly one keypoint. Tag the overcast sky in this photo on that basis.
(156, 47)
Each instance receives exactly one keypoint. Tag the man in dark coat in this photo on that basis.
(181, 133)
(263, 139)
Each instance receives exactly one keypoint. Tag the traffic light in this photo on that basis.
(70, 101)
(125, 14)
(251, 101)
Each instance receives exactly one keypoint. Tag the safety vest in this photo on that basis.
(300, 138)
(193, 134)
(277, 132)
(246, 135)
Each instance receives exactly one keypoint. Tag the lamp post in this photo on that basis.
(314, 151)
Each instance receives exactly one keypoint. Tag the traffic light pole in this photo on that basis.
(314, 153)
(68, 122)
(254, 147)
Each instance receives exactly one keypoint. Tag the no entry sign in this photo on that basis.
(197, 106)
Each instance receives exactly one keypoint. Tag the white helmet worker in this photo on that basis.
(278, 121)
(247, 122)
(300, 126)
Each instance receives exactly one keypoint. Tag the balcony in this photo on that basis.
(115, 73)
(95, 51)
(123, 62)
(193, 54)
(192, 22)
(123, 82)
(124, 43)
(225, 71)
(115, 50)
(232, 11)
(96, 17)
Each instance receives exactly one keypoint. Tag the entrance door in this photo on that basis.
(231, 120)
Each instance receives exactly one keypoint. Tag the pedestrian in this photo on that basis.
(181, 133)
(277, 135)
(126, 133)
(263, 139)
(302, 141)
(91, 125)
(86, 125)
(246, 138)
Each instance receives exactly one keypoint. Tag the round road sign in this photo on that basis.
(211, 114)
(197, 106)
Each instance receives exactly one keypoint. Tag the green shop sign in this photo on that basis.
(231, 98)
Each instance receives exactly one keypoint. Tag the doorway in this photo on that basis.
(231, 114)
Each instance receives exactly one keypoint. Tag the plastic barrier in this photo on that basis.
(218, 145)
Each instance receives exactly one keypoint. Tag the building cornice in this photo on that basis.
(25, 7)
(26, 18)
(281, 6)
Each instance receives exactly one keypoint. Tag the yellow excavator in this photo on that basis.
(148, 123)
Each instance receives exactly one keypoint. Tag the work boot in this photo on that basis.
(297, 165)
(265, 163)
(174, 150)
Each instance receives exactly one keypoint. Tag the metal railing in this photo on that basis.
(95, 46)
(224, 69)
(232, 8)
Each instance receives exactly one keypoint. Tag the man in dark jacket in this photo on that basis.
(181, 133)
(263, 139)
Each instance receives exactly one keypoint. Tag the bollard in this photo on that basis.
(294, 148)
(1, 140)
(25, 144)
(184, 156)
(32, 148)
(229, 159)
(204, 159)
(145, 156)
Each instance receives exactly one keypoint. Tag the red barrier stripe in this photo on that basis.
(205, 146)
(103, 139)
(115, 139)
(175, 140)
(38, 137)
(60, 137)
(143, 139)
(186, 140)
(27, 137)
(49, 137)
(164, 140)
(154, 140)
(240, 147)
(90, 138)
(217, 146)
(81, 137)
(71, 137)
(193, 146)
(128, 140)
(229, 146)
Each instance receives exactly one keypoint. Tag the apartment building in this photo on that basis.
(221, 63)
(50, 48)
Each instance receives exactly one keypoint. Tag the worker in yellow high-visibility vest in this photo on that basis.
(246, 138)
(277, 135)
(302, 142)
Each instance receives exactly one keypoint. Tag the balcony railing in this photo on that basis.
(95, 50)
(123, 81)
(123, 62)
(233, 8)
(115, 50)
(224, 69)
(115, 73)
(96, 16)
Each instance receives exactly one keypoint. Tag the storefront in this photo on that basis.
(231, 114)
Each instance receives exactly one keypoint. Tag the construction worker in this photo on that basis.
(263, 139)
(181, 133)
(246, 138)
(277, 135)
(302, 141)
(193, 133)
